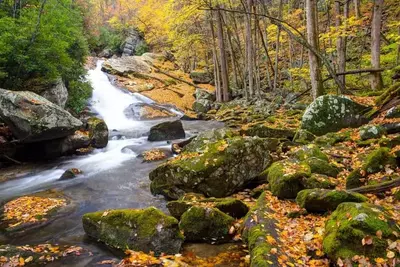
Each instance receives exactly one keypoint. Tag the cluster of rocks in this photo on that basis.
(40, 129)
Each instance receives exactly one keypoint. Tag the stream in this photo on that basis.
(113, 177)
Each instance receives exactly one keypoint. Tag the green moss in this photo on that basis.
(319, 181)
(322, 200)
(322, 167)
(206, 224)
(177, 208)
(286, 178)
(354, 179)
(349, 224)
(377, 160)
(265, 131)
(303, 137)
(333, 138)
(310, 151)
(260, 251)
(371, 131)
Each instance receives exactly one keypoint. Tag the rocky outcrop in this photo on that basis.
(33, 118)
(330, 113)
(126, 65)
(57, 93)
(358, 229)
(141, 230)
(98, 132)
(201, 77)
(204, 101)
(170, 130)
(322, 200)
(265, 131)
(203, 224)
(217, 169)
(132, 43)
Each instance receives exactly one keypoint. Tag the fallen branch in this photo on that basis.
(377, 188)
(12, 160)
(354, 72)
(176, 78)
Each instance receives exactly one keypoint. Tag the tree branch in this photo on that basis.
(377, 188)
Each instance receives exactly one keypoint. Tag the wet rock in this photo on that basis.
(98, 132)
(352, 230)
(169, 130)
(204, 224)
(201, 77)
(217, 169)
(230, 206)
(57, 93)
(373, 163)
(33, 118)
(142, 230)
(322, 200)
(264, 131)
(371, 131)
(70, 174)
(177, 147)
(330, 113)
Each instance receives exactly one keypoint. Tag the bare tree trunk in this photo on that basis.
(224, 64)
(278, 36)
(341, 40)
(357, 8)
(215, 60)
(312, 38)
(249, 46)
(398, 51)
(376, 78)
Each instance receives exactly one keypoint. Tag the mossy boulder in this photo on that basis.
(350, 224)
(322, 200)
(320, 166)
(303, 137)
(373, 163)
(142, 230)
(202, 106)
(201, 76)
(220, 169)
(331, 139)
(286, 178)
(394, 112)
(70, 174)
(169, 130)
(264, 131)
(231, 206)
(204, 224)
(199, 143)
(371, 131)
(98, 132)
(319, 181)
(331, 113)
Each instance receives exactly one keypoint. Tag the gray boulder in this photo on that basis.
(132, 43)
(201, 77)
(331, 113)
(57, 93)
(126, 65)
(141, 230)
(170, 130)
(371, 131)
(202, 105)
(33, 118)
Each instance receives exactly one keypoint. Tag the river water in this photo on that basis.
(113, 177)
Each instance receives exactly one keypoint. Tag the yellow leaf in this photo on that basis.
(390, 254)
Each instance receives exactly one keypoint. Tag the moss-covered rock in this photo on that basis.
(371, 131)
(394, 112)
(350, 224)
(98, 132)
(264, 131)
(373, 163)
(331, 139)
(331, 113)
(303, 137)
(320, 166)
(220, 169)
(169, 130)
(231, 206)
(206, 225)
(199, 143)
(322, 200)
(70, 174)
(310, 151)
(319, 181)
(143, 230)
(286, 178)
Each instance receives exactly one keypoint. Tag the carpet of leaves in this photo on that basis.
(30, 209)
(154, 155)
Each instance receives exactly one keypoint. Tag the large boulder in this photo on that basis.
(133, 43)
(206, 225)
(126, 65)
(265, 131)
(197, 144)
(202, 106)
(169, 130)
(217, 170)
(371, 131)
(322, 200)
(98, 132)
(33, 118)
(141, 230)
(358, 229)
(57, 93)
(331, 113)
(201, 76)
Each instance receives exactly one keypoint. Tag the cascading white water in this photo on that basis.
(110, 102)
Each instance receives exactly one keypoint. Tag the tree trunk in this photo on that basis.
(224, 64)
(376, 78)
(312, 38)
(341, 40)
(278, 36)
(216, 63)
(249, 49)
(357, 11)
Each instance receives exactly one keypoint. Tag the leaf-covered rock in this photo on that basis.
(143, 230)
(322, 200)
(352, 230)
(331, 113)
(218, 170)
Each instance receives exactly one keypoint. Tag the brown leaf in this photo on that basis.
(367, 240)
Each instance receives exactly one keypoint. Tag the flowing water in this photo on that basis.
(114, 177)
